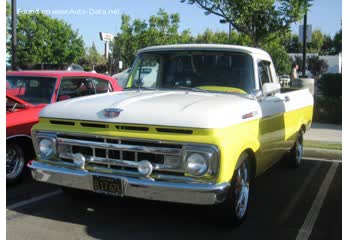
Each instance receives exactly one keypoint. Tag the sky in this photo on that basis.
(90, 17)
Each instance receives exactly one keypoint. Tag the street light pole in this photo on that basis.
(14, 35)
(229, 31)
(304, 45)
(229, 27)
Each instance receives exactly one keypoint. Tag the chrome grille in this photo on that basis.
(121, 154)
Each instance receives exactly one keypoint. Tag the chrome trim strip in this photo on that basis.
(191, 192)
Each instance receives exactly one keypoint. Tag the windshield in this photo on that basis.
(34, 90)
(207, 70)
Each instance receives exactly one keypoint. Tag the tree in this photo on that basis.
(279, 56)
(261, 20)
(92, 60)
(317, 42)
(8, 19)
(162, 28)
(328, 46)
(338, 42)
(94, 57)
(42, 39)
(212, 37)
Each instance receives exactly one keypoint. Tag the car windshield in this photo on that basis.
(205, 70)
(35, 90)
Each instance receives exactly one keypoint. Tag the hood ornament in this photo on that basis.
(112, 112)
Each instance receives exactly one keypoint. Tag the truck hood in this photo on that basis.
(160, 108)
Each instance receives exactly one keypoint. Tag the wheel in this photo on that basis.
(235, 207)
(15, 163)
(296, 153)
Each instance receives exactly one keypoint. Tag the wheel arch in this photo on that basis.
(252, 160)
(24, 141)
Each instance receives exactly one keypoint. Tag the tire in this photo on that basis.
(236, 205)
(15, 163)
(296, 153)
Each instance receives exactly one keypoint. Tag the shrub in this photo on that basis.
(328, 110)
(330, 85)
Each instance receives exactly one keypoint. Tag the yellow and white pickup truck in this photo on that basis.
(195, 124)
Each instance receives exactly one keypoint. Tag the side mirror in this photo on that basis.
(271, 88)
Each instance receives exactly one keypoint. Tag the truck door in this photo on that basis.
(272, 121)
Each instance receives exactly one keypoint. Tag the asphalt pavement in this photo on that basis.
(303, 203)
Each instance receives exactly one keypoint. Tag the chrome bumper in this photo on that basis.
(193, 193)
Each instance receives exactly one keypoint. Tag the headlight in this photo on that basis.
(196, 164)
(46, 147)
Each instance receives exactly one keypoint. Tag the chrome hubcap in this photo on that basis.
(14, 162)
(242, 190)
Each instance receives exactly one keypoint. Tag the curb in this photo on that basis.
(329, 154)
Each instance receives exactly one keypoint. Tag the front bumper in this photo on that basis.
(193, 193)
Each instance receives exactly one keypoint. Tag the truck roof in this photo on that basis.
(212, 47)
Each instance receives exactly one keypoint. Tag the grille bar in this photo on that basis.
(120, 147)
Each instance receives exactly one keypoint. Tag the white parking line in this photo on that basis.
(306, 229)
(34, 199)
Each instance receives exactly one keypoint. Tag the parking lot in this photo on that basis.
(303, 203)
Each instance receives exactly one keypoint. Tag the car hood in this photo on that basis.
(161, 108)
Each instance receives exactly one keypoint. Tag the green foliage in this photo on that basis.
(317, 42)
(328, 106)
(160, 29)
(92, 60)
(8, 19)
(330, 85)
(328, 45)
(292, 44)
(338, 42)
(316, 66)
(279, 56)
(163, 29)
(42, 39)
(260, 20)
(328, 110)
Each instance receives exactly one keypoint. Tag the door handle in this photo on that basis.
(286, 98)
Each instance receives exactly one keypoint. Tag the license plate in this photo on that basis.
(106, 185)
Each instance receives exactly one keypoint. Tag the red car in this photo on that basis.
(27, 92)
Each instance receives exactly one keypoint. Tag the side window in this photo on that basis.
(99, 85)
(73, 87)
(264, 72)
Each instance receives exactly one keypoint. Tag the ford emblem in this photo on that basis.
(112, 112)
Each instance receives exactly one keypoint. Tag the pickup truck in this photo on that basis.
(211, 119)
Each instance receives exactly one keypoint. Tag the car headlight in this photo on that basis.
(196, 164)
(46, 147)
